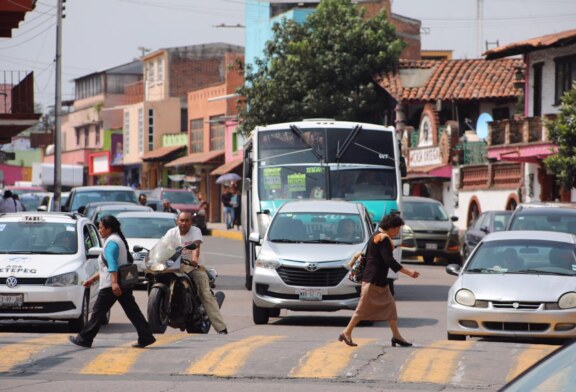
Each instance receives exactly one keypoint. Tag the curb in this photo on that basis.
(232, 234)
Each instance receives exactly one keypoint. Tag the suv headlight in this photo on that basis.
(407, 230)
(465, 297)
(268, 263)
(567, 301)
(68, 279)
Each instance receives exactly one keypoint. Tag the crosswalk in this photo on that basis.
(441, 362)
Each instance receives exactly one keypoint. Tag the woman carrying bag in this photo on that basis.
(114, 254)
(376, 302)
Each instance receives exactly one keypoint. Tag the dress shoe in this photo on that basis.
(223, 332)
(78, 342)
(401, 343)
(144, 344)
(343, 338)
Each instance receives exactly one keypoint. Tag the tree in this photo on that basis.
(562, 132)
(323, 67)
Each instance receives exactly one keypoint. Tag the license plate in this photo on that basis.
(431, 246)
(310, 294)
(10, 300)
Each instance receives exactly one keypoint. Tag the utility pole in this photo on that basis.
(479, 25)
(58, 110)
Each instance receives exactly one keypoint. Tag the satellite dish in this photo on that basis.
(482, 125)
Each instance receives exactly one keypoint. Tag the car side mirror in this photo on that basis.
(254, 238)
(484, 229)
(453, 269)
(42, 208)
(94, 252)
(453, 218)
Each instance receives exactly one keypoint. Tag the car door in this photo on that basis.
(91, 239)
(476, 232)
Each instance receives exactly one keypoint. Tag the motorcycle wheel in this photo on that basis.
(157, 310)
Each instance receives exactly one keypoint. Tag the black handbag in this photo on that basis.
(127, 273)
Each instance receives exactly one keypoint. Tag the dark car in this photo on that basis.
(80, 196)
(184, 201)
(559, 217)
(429, 232)
(486, 223)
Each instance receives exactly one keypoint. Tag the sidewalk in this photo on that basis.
(219, 230)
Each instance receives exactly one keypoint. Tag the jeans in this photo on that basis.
(229, 217)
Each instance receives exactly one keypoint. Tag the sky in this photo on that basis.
(101, 34)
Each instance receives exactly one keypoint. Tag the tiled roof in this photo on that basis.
(429, 80)
(521, 47)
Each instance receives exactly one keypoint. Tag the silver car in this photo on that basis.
(302, 264)
(515, 284)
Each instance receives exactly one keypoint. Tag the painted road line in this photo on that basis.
(119, 360)
(528, 357)
(225, 361)
(435, 364)
(327, 361)
(16, 354)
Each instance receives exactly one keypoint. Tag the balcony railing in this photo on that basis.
(518, 131)
(491, 175)
(16, 92)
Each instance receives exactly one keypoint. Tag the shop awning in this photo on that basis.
(161, 153)
(531, 154)
(196, 158)
(226, 168)
(433, 173)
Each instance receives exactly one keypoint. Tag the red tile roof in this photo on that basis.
(551, 40)
(429, 80)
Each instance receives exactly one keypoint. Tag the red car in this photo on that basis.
(182, 200)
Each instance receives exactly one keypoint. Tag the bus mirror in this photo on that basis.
(402, 164)
(405, 189)
(247, 184)
(254, 237)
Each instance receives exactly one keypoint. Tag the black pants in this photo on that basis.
(103, 304)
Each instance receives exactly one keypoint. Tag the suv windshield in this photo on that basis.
(317, 227)
(180, 197)
(546, 221)
(38, 237)
(424, 211)
(83, 198)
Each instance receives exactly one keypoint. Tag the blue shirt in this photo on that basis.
(111, 253)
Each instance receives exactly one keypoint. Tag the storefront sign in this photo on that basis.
(428, 156)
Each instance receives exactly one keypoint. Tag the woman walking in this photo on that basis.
(376, 302)
(114, 254)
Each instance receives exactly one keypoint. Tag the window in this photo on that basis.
(237, 141)
(97, 135)
(126, 133)
(216, 133)
(78, 131)
(86, 136)
(160, 70)
(150, 129)
(196, 135)
(140, 130)
(565, 76)
(537, 85)
(150, 67)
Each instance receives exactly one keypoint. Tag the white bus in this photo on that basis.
(317, 159)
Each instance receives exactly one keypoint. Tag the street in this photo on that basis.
(292, 352)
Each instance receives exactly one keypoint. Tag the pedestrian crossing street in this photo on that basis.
(441, 362)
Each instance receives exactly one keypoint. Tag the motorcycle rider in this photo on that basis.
(183, 235)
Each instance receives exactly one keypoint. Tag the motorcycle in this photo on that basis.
(173, 298)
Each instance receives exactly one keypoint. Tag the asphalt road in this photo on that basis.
(294, 351)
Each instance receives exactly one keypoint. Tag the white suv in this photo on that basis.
(44, 259)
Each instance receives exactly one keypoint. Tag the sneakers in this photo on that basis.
(223, 332)
(75, 340)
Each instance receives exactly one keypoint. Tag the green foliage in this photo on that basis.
(323, 67)
(563, 133)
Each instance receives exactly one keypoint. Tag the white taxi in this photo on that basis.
(44, 259)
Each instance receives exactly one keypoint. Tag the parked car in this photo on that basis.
(31, 201)
(80, 196)
(544, 216)
(555, 372)
(515, 284)
(144, 228)
(486, 223)
(95, 211)
(182, 200)
(303, 262)
(429, 232)
(45, 260)
(47, 203)
(19, 190)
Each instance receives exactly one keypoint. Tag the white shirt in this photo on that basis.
(194, 234)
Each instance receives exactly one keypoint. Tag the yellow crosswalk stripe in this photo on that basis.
(327, 361)
(15, 354)
(227, 360)
(119, 360)
(528, 357)
(435, 363)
